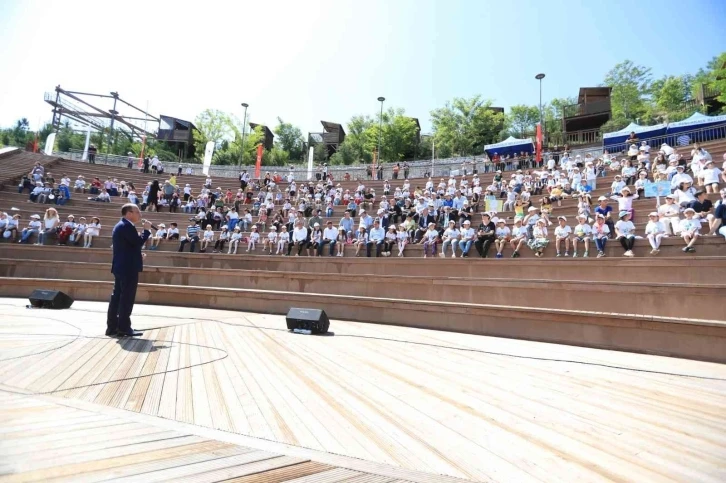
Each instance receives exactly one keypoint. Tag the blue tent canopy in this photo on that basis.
(696, 121)
(510, 146)
(643, 132)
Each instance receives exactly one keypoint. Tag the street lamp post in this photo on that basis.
(244, 128)
(539, 77)
(380, 128)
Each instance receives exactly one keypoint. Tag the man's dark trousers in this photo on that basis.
(122, 303)
(482, 245)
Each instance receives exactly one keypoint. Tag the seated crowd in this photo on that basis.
(282, 217)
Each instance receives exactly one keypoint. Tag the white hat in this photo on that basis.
(37, 217)
(161, 225)
(653, 214)
(532, 208)
(467, 222)
(689, 209)
(563, 218)
(602, 198)
(582, 216)
(316, 225)
(273, 228)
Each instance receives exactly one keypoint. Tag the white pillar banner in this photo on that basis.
(49, 142)
(208, 152)
(311, 154)
(88, 143)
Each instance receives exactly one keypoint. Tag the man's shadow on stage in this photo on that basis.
(141, 345)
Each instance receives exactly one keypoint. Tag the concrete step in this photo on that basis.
(676, 337)
(670, 247)
(661, 299)
(690, 270)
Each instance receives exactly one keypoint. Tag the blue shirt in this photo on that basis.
(347, 224)
(604, 211)
(376, 234)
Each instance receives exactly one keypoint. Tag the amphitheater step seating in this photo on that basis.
(666, 304)
(691, 270)
(662, 299)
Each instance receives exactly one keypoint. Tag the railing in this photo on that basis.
(586, 109)
(417, 169)
(702, 135)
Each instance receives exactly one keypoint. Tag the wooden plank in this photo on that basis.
(286, 473)
(192, 470)
(167, 401)
(223, 474)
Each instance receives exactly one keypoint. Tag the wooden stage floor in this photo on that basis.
(373, 403)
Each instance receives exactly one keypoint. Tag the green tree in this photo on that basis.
(213, 125)
(289, 138)
(631, 86)
(398, 134)
(346, 155)
(359, 139)
(669, 94)
(522, 119)
(463, 126)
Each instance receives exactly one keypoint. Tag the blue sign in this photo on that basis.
(660, 188)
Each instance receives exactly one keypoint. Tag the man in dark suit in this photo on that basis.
(126, 265)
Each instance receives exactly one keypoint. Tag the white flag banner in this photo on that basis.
(311, 153)
(88, 143)
(208, 152)
(49, 142)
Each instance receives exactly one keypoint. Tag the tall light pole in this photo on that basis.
(539, 77)
(244, 128)
(380, 128)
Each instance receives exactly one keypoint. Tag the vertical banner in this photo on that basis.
(208, 152)
(258, 164)
(538, 144)
(141, 156)
(49, 142)
(88, 143)
(311, 154)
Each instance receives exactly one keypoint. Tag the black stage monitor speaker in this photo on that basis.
(314, 320)
(50, 299)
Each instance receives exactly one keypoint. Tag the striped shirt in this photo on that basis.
(192, 231)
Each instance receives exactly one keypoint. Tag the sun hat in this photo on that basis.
(563, 218)
(273, 228)
(581, 216)
(653, 214)
(35, 216)
(623, 213)
(467, 222)
(541, 220)
(602, 198)
(671, 197)
(391, 227)
(599, 215)
(316, 225)
(689, 209)
(531, 208)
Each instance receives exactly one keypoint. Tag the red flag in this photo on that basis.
(258, 165)
(538, 145)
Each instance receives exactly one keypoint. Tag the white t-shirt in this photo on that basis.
(236, 236)
(519, 231)
(600, 230)
(563, 231)
(254, 236)
(654, 227)
(502, 232)
(710, 176)
(626, 228)
(451, 233)
(209, 235)
(272, 236)
(582, 231)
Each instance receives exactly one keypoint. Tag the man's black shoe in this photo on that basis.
(110, 333)
(130, 333)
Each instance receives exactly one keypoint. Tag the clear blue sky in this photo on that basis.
(312, 60)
